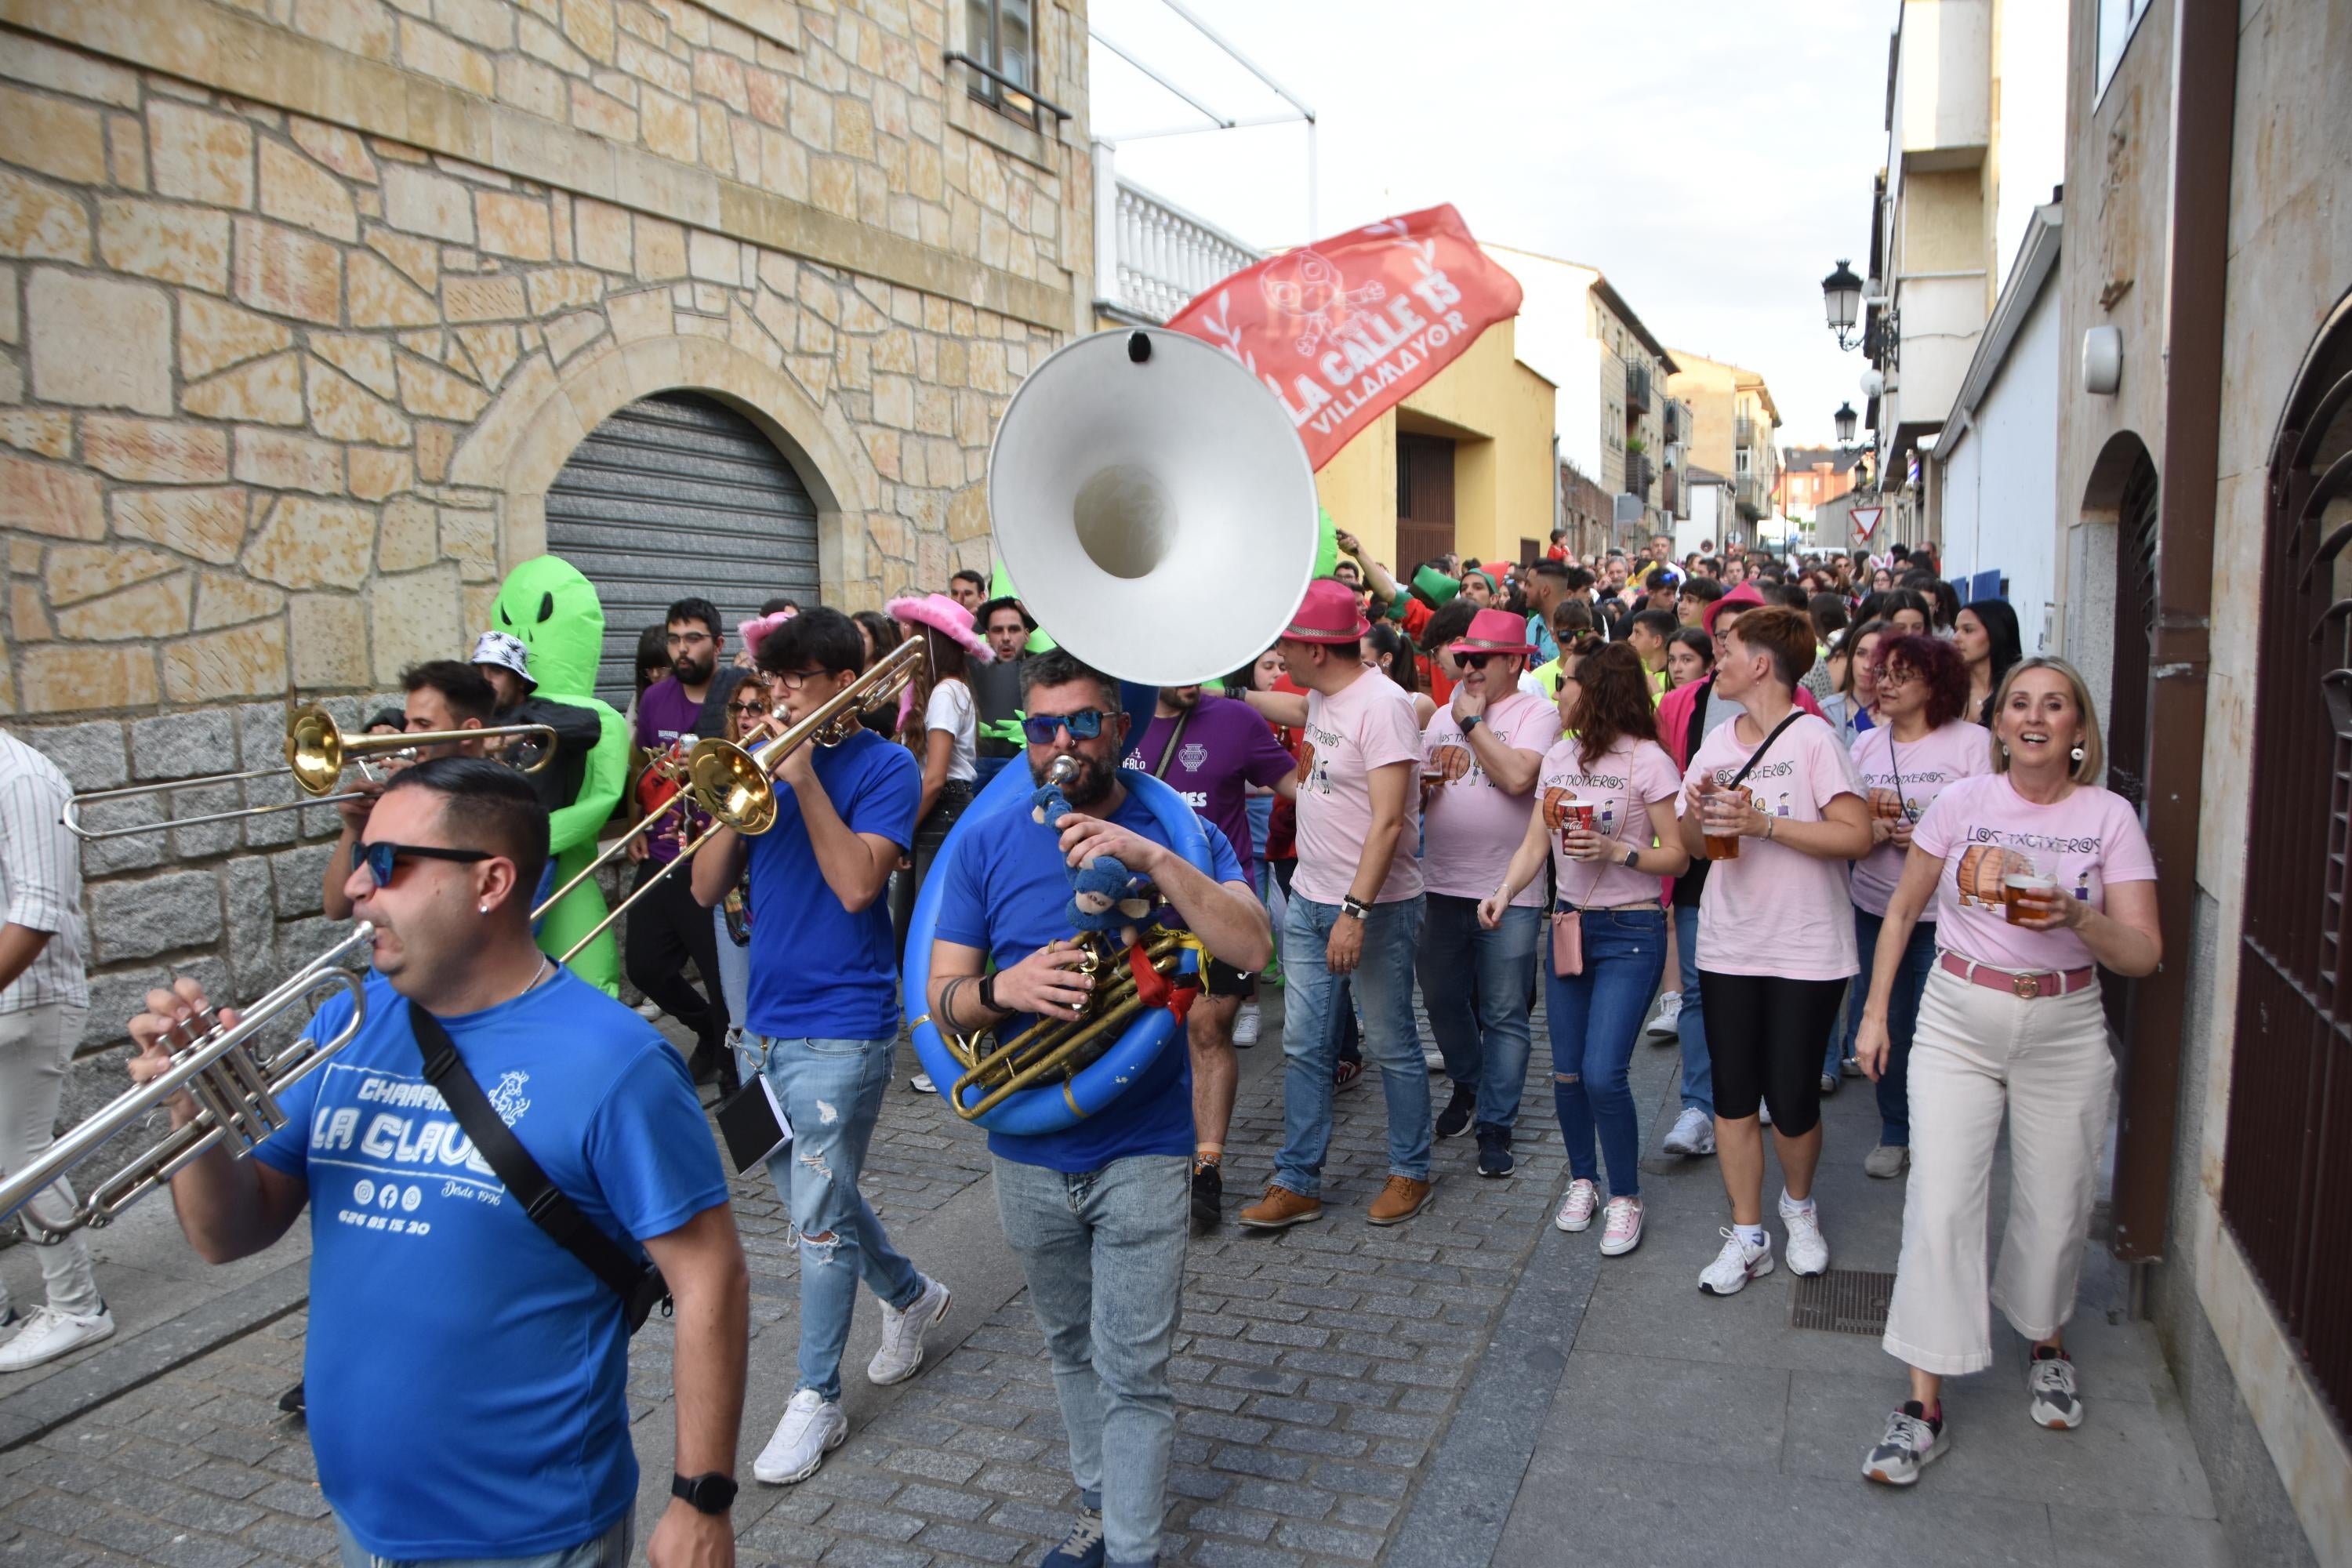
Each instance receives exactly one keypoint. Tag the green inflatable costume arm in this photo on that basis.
(556, 613)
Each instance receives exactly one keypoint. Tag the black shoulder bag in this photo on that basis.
(636, 1281)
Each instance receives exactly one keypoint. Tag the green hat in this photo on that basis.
(1435, 586)
(1326, 543)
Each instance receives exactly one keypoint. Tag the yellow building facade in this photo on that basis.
(1463, 465)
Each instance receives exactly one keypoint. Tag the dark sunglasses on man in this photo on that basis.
(1083, 725)
(380, 858)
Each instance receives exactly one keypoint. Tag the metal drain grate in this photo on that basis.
(1843, 1301)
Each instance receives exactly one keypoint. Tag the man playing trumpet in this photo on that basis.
(1096, 1213)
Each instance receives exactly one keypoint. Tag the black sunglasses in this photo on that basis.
(1084, 725)
(380, 858)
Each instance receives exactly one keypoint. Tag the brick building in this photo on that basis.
(315, 316)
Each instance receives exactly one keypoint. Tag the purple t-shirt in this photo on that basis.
(1226, 747)
(665, 714)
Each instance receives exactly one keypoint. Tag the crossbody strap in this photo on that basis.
(1176, 733)
(1756, 755)
(636, 1281)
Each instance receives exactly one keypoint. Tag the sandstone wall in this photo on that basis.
(304, 303)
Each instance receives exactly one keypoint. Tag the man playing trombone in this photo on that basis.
(1097, 1214)
(443, 695)
(825, 1019)
(469, 1369)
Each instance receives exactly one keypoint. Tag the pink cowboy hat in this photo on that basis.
(1746, 596)
(942, 615)
(1328, 614)
(1494, 631)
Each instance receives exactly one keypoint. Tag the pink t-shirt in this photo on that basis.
(1913, 773)
(1620, 786)
(1778, 911)
(1978, 828)
(1369, 724)
(1471, 827)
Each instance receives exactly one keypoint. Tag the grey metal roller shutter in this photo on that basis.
(677, 496)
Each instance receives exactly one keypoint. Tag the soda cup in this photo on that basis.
(1885, 804)
(1576, 816)
(1726, 846)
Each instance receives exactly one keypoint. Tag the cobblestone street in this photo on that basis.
(1442, 1393)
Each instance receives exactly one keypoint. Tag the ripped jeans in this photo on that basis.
(831, 1093)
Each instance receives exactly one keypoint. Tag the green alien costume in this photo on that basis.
(556, 613)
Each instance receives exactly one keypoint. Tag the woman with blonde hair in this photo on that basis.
(2039, 878)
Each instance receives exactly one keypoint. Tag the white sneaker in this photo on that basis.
(48, 1333)
(901, 1356)
(1665, 1022)
(812, 1427)
(1576, 1208)
(1736, 1265)
(1247, 1023)
(1433, 1059)
(1621, 1227)
(1763, 1114)
(1809, 1250)
(921, 1084)
(1694, 1133)
(2057, 1397)
(1910, 1446)
(649, 1011)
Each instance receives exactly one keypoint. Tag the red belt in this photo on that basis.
(2048, 983)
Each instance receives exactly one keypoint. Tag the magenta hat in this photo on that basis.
(1746, 596)
(1494, 631)
(1328, 614)
(943, 614)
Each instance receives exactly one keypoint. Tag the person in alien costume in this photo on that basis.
(554, 610)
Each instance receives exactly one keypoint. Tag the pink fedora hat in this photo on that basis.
(1494, 631)
(1328, 614)
(942, 615)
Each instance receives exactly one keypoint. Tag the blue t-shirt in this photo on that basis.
(818, 972)
(466, 1373)
(1007, 893)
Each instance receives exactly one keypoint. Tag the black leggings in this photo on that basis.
(1764, 1035)
(666, 931)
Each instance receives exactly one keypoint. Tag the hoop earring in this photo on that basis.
(2004, 749)
(2076, 754)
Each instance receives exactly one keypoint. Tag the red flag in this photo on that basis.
(1344, 329)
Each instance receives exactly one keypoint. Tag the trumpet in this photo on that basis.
(235, 1085)
(316, 752)
(731, 784)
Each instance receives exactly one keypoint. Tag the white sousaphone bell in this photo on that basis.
(1153, 505)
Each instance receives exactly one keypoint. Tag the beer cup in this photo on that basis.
(2025, 876)
(1726, 846)
(1576, 816)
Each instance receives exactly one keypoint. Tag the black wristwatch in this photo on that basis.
(1469, 724)
(713, 1493)
(987, 991)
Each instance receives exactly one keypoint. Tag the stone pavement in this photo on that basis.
(1472, 1387)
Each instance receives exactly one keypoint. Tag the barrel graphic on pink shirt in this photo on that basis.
(1979, 876)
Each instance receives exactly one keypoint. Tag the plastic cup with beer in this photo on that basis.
(2025, 889)
(1725, 846)
(1575, 816)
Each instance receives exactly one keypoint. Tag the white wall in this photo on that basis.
(1942, 89)
(1709, 505)
(2032, 66)
(2000, 478)
(1554, 340)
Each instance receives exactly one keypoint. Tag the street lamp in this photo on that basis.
(1845, 422)
(1842, 298)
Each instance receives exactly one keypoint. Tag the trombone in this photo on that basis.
(235, 1085)
(316, 752)
(731, 784)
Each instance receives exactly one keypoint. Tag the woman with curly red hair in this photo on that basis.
(1925, 742)
(1605, 811)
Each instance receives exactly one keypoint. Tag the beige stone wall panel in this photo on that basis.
(265, 392)
(245, 661)
(286, 272)
(215, 336)
(378, 296)
(145, 451)
(207, 523)
(98, 343)
(47, 431)
(276, 460)
(75, 573)
(151, 610)
(82, 678)
(58, 137)
(301, 192)
(306, 543)
(167, 243)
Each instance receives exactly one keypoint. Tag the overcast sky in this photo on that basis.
(1713, 157)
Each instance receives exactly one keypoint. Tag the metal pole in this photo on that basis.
(1314, 178)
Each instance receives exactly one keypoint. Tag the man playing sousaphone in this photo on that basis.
(1097, 1212)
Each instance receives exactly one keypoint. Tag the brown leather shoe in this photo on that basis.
(1399, 1201)
(1280, 1208)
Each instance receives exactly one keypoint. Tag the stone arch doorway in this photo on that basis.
(677, 496)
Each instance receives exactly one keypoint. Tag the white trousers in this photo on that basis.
(35, 1047)
(1978, 1052)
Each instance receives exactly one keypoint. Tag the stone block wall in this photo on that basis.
(304, 303)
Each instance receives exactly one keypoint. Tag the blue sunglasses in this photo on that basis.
(380, 858)
(1083, 725)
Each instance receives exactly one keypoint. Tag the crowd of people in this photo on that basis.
(1806, 820)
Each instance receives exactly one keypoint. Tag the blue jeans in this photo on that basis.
(831, 1093)
(1698, 1068)
(1475, 984)
(1901, 1017)
(1103, 1252)
(1596, 1016)
(609, 1550)
(1383, 979)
